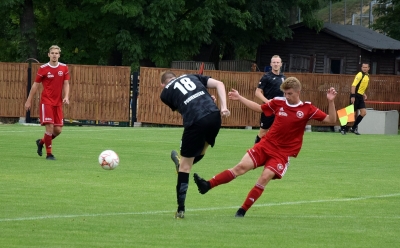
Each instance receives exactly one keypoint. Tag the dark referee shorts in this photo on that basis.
(266, 121)
(204, 130)
(359, 102)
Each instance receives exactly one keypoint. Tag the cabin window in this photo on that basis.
(373, 69)
(335, 66)
(397, 66)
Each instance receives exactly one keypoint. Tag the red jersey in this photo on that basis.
(286, 133)
(52, 79)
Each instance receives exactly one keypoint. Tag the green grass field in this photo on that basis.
(342, 191)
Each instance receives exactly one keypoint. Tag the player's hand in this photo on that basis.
(27, 105)
(331, 94)
(234, 95)
(66, 100)
(214, 99)
(225, 113)
(365, 96)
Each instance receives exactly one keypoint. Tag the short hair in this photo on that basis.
(55, 47)
(276, 56)
(167, 75)
(364, 63)
(291, 83)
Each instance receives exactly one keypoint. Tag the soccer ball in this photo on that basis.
(108, 160)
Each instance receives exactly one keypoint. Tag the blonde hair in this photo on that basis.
(55, 47)
(276, 56)
(291, 83)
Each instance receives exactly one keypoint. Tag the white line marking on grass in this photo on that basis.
(329, 216)
(203, 209)
(330, 200)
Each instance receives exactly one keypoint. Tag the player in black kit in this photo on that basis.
(188, 95)
(268, 88)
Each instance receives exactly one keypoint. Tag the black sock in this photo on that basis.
(257, 139)
(181, 189)
(358, 120)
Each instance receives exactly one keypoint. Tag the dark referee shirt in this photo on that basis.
(189, 96)
(270, 84)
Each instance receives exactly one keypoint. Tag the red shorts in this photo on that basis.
(51, 114)
(269, 159)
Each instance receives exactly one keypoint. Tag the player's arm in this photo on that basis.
(234, 95)
(353, 90)
(260, 95)
(66, 91)
(33, 91)
(166, 102)
(213, 83)
(352, 94)
(331, 95)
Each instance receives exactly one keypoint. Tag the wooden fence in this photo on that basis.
(103, 93)
(152, 110)
(192, 65)
(96, 92)
(13, 84)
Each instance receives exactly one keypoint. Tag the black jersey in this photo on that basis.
(270, 84)
(189, 96)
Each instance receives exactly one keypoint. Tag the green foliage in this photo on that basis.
(388, 22)
(125, 32)
(10, 38)
(330, 196)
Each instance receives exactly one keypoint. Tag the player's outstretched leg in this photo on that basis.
(202, 185)
(175, 158)
(39, 147)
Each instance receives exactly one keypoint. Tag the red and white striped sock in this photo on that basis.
(224, 177)
(253, 195)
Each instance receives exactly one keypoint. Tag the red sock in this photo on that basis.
(253, 195)
(224, 177)
(48, 141)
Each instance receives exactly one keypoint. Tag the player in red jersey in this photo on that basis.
(54, 76)
(283, 140)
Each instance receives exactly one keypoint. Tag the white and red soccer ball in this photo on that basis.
(108, 160)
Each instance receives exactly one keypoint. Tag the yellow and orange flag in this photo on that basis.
(346, 114)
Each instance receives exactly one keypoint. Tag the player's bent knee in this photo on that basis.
(240, 169)
(262, 133)
(267, 175)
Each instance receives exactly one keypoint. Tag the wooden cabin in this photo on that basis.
(336, 49)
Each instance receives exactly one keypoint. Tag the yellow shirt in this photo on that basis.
(361, 87)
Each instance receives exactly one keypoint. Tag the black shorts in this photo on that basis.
(204, 130)
(266, 121)
(359, 102)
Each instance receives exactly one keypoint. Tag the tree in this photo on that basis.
(241, 26)
(11, 40)
(123, 32)
(388, 21)
(146, 32)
